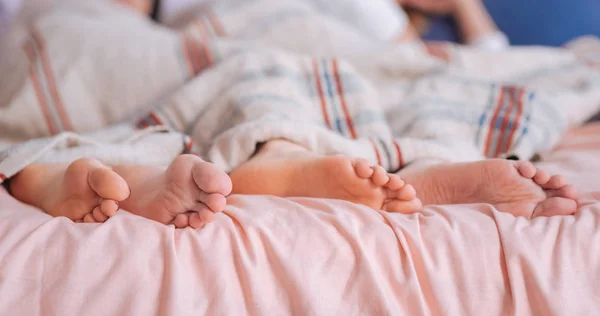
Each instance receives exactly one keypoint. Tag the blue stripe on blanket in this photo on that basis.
(305, 81)
(167, 118)
(51, 106)
(368, 117)
(248, 100)
(431, 108)
(365, 117)
(332, 104)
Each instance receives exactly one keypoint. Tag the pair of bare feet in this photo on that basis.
(190, 191)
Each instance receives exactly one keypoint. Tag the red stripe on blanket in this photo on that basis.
(399, 154)
(377, 154)
(505, 120)
(216, 24)
(189, 147)
(2, 177)
(321, 94)
(493, 121)
(340, 90)
(516, 121)
(30, 52)
(62, 113)
(155, 118)
(141, 124)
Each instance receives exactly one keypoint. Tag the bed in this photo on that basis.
(273, 256)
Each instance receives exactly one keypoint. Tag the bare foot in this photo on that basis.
(288, 170)
(515, 187)
(186, 193)
(86, 190)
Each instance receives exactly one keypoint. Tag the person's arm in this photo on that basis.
(476, 26)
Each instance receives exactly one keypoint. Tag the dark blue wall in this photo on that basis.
(539, 22)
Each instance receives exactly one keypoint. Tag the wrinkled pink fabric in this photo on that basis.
(272, 256)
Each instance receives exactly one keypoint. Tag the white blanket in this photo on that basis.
(241, 75)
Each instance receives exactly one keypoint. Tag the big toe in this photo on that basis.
(363, 168)
(403, 207)
(526, 169)
(555, 206)
(401, 197)
(108, 184)
(380, 176)
(567, 191)
(210, 179)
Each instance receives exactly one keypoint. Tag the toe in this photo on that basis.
(380, 176)
(363, 168)
(195, 221)
(403, 207)
(204, 212)
(88, 218)
(555, 206)
(182, 220)
(395, 183)
(567, 191)
(541, 177)
(209, 178)
(109, 207)
(98, 215)
(555, 183)
(108, 184)
(406, 193)
(526, 169)
(206, 216)
(216, 202)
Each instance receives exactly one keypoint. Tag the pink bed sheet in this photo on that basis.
(272, 256)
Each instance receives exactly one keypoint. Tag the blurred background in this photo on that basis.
(525, 22)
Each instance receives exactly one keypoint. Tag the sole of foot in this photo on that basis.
(84, 191)
(290, 171)
(515, 187)
(189, 192)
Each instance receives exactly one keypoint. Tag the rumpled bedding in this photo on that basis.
(271, 256)
(94, 79)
